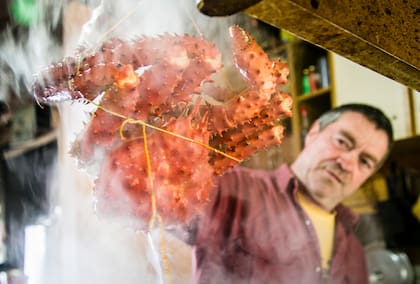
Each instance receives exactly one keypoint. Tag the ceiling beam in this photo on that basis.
(378, 34)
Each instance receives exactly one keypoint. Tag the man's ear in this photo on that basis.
(313, 132)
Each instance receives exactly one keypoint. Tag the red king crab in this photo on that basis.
(156, 138)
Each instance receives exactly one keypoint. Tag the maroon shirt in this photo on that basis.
(255, 232)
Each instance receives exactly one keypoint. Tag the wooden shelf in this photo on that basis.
(303, 55)
(312, 95)
(407, 146)
(405, 153)
(30, 145)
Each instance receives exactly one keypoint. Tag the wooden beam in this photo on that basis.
(378, 34)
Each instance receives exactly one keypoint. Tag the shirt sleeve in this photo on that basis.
(215, 223)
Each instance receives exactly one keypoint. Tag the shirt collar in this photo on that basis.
(289, 183)
(285, 178)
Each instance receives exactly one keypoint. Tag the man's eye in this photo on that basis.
(342, 143)
(366, 163)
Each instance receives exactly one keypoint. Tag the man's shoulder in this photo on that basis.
(347, 217)
(248, 179)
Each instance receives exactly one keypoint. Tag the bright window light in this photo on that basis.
(35, 241)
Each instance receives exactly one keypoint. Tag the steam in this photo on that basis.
(130, 19)
(80, 246)
(25, 50)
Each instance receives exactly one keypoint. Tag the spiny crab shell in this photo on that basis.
(159, 136)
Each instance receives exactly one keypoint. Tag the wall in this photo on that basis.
(355, 83)
(416, 104)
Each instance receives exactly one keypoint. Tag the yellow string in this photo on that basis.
(162, 245)
(155, 215)
(150, 180)
(137, 121)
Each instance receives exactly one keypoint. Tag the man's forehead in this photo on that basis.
(355, 120)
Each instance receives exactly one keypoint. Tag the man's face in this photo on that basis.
(337, 160)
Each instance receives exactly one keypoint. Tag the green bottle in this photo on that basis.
(306, 88)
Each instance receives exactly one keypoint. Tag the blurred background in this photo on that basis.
(34, 203)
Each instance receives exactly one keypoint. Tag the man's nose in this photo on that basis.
(347, 160)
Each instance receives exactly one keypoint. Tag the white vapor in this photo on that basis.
(81, 247)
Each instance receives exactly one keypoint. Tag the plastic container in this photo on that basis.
(306, 88)
(314, 79)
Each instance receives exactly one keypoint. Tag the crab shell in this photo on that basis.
(152, 137)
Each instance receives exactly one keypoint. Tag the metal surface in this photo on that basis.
(381, 35)
(387, 267)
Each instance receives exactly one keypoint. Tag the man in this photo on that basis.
(287, 226)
